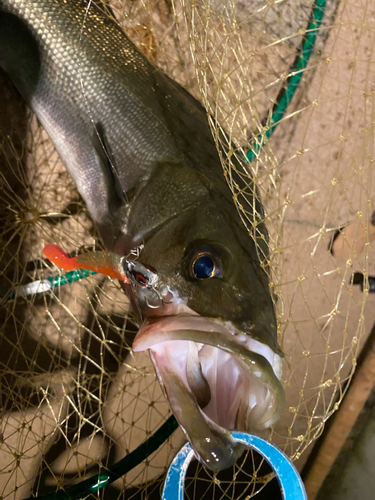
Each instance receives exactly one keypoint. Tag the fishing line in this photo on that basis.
(129, 462)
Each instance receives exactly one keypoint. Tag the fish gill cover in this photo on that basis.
(75, 398)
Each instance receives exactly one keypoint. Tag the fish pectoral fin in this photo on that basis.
(108, 167)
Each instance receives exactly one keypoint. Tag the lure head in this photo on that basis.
(149, 290)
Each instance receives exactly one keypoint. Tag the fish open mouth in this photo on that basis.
(216, 379)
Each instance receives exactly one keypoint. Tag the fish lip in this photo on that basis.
(162, 333)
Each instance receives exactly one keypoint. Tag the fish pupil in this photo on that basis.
(203, 267)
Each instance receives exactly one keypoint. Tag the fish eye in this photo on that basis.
(203, 267)
(204, 260)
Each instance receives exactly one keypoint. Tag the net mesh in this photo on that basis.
(74, 398)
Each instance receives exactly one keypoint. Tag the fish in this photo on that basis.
(141, 152)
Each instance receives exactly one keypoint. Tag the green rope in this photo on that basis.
(286, 95)
(108, 476)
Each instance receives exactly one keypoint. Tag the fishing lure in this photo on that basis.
(107, 263)
(111, 264)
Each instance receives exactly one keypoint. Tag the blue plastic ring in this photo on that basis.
(290, 482)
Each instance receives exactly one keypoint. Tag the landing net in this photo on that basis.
(74, 398)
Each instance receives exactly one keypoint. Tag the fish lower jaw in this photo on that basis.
(214, 389)
(240, 400)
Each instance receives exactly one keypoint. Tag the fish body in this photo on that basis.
(141, 152)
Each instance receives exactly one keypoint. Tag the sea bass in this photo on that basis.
(141, 152)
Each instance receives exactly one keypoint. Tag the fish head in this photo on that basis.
(208, 316)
